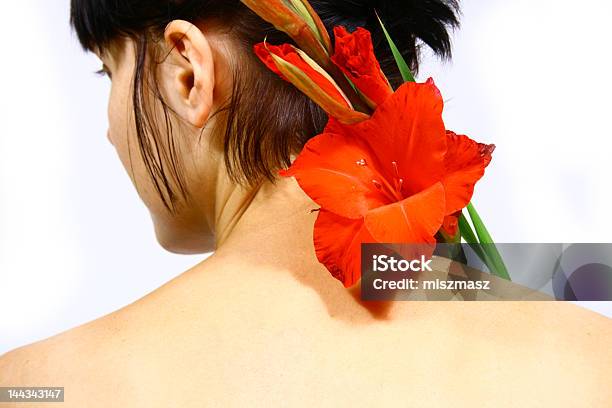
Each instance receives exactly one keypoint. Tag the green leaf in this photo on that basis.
(481, 230)
(399, 59)
(497, 267)
(466, 230)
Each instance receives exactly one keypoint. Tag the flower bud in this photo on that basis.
(296, 67)
(299, 21)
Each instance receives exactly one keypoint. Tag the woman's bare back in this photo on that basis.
(221, 335)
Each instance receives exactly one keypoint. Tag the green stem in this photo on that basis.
(470, 238)
(497, 266)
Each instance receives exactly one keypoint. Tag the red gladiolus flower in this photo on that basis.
(390, 179)
(354, 55)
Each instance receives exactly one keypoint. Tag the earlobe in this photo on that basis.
(193, 75)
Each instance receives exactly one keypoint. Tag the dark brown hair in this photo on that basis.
(266, 118)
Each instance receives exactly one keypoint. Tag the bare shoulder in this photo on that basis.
(556, 323)
(71, 359)
(93, 352)
(562, 331)
(162, 338)
(560, 350)
(101, 363)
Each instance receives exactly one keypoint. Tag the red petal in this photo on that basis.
(465, 164)
(414, 220)
(263, 52)
(328, 171)
(409, 130)
(338, 245)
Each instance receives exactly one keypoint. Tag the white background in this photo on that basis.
(533, 77)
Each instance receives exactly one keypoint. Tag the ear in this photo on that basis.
(191, 74)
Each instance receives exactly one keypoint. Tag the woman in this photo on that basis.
(202, 127)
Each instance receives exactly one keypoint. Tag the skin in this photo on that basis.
(262, 323)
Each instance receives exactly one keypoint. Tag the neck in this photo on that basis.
(271, 229)
(272, 220)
